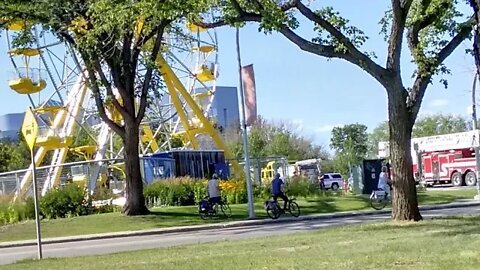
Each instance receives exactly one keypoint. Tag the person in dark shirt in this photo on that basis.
(277, 190)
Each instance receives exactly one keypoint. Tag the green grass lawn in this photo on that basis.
(180, 216)
(442, 244)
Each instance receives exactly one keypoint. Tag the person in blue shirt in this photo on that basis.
(277, 190)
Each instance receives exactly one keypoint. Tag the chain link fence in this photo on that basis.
(76, 171)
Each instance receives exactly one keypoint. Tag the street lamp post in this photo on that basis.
(477, 140)
(251, 212)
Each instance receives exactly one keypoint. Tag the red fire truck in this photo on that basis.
(443, 159)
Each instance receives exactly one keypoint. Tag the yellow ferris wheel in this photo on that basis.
(51, 76)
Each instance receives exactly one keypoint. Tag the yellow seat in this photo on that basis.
(25, 51)
(49, 109)
(27, 86)
(87, 151)
(204, 49)
(50, 142)
(204, 74)
(195, 28)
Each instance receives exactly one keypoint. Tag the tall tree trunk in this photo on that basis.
(405, 205)
(475, 4)
(135, 203)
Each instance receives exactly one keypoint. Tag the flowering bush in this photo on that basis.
(234, 190)
(189, 191)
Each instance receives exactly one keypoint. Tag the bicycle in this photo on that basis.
(274, 210)
(379, 199)
(208, 210)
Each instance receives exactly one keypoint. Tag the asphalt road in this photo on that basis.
(106, 246)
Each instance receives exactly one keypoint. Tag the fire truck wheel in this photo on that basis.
(456, 179)
(470, 179)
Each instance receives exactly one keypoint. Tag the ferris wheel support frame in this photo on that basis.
(176, 89)
(58, 121)
(73, 113)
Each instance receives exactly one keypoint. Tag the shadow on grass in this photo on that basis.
(435, 198)
(170, 216)
(438, 227)
(335, 203)
(329, 202)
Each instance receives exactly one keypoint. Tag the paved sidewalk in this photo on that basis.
(231, 224)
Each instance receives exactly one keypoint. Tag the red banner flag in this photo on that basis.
(250, 94)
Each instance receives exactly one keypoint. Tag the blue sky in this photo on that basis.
(308, 90)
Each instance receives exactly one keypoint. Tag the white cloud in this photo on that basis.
(438, 102)
(326, 128)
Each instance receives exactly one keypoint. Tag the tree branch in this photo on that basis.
(100, 105)
(67, 37)
(289, 5)
(128, 69)
(248, 17)
(400, 12)
(148, 74)
(379, 73)
(115, 71)
(109, 90)
(245, 16)
(354, 55)
(419, 25)
(309, 14)
(424, 77)
(475, 4)
(305, 45)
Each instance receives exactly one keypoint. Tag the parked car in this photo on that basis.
(333, 181)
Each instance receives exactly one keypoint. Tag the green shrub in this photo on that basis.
(109, 208)
(14, 212)
(174, 191)
(188, 191)
(61, 202)
(65, 202)
(102, 193)
(301, 187)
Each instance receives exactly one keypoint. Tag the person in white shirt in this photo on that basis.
(213, 190)
(383, 181)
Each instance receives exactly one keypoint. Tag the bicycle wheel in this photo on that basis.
(273, 212)
(378, 203)
(294, 209)
(227, 212)
(203, 214)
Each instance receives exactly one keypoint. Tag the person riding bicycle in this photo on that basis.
(383, 181)
(277, 190)
(213, 190)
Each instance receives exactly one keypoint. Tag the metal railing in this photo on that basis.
(10, 181)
